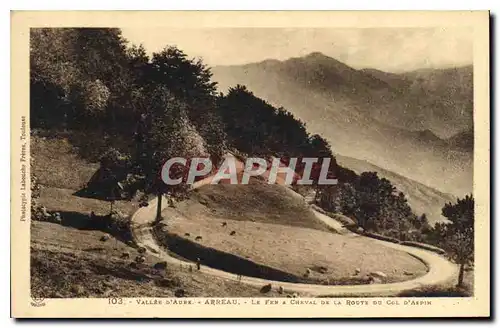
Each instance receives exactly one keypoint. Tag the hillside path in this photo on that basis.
(440, 270)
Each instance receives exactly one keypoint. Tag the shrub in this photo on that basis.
(116, 224)
(119, 224)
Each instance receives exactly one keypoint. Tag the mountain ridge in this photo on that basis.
(402, 124)
(377, 88)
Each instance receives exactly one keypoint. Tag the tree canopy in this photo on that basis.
(458, 234)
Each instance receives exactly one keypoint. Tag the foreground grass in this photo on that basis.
(67, 262)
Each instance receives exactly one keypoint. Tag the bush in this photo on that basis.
(116, 224)
(119, 224)
(40, 213)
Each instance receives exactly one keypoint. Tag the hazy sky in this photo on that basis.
(387, 49)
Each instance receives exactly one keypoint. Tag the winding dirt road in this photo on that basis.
(440, 269)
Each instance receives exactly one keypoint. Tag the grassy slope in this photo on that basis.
(69, 260)
(288, 238)
(58, 166)
(422, 199)
(257, 202)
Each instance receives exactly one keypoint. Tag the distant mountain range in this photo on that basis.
(417, 124)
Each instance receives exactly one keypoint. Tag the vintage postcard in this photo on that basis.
(250, 164)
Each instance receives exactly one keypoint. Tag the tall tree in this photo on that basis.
(459, 233)
(189, 80)
(165, 132)
(255, 127)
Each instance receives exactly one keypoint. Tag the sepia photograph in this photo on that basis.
(300, 166)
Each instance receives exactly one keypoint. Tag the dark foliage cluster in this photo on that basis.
(376, 205)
